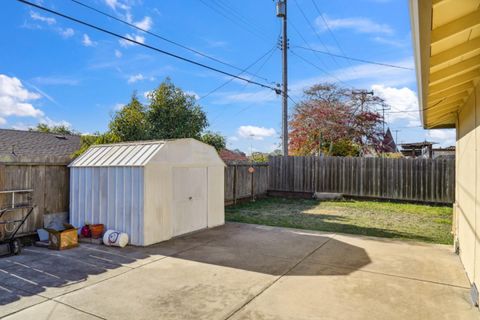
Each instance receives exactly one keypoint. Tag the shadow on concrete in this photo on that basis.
(39, 271)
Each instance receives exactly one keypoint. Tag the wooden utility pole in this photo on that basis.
(282, 13)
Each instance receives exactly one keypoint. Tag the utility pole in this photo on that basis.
(396, 139)
(282, 13)
(363, 96)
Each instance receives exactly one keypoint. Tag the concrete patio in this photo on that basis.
(239, 271)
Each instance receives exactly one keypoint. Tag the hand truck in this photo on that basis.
(12, 246)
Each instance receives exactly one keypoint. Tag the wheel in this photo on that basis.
(15, 247)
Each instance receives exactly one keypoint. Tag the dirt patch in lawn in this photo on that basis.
(371, 218)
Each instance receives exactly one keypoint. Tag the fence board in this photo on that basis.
(423, 180)
(49, 179)
(239, 184)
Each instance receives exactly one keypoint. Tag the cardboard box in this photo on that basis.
(65, 239)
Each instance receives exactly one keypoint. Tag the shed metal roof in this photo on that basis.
(119, 155)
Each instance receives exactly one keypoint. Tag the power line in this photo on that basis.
(243, 71)
(245, 25)
(229, 8)
(313, 29)
(311, 63)
(148, 46)
(291, 99)
(243, 88)
(320, 68)
(355, 59)
(316, 34)
(156, 35)
(325, 22)
(328, 27)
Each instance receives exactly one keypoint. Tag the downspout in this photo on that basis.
(456, 244)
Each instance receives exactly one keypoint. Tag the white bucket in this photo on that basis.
(115, 238)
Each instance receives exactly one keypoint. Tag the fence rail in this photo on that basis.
(423, 180)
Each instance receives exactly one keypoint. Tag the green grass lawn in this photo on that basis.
(371, 218)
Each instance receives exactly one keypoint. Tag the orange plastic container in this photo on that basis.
(97, 230)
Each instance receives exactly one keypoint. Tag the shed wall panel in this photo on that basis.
(216, 201)
(109, 195)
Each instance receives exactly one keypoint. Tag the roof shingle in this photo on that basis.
(34, 143)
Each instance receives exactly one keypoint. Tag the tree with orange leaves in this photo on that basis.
(335, 121)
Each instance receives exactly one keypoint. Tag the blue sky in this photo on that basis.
(55, 71)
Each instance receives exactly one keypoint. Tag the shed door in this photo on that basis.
(190, 200)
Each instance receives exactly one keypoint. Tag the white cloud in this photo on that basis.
(87, 42)
(256, 133)
(403, 102)
(115, 4)
(44, 94)
(445, 137)
(14, 99)
(146, 94)
(21, 126)
(193, 93)
(56, 80)
(145, 24)
(66, 33)
(125, 43)
(118, 53)
(118, 106)
(52, 123)
(139, 77)
(257, 97)
(391, 42)
(362, 75)
(359, 25)
(38, 17)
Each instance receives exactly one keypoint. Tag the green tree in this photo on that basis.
(98, 138)
(214, 139)
(171, 114)
(174, 114)
(130, 122)
(60, 129)
(259, 157)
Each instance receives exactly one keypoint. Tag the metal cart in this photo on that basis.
(9, 245)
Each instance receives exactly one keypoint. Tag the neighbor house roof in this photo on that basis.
(412, 145)
(34, 143)
(229, 155)
(446, 35)
(388, 142)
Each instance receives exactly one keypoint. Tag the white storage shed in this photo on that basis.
(152, 190)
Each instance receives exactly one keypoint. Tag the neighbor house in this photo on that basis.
(37, 161)
(446, 36)
(232, 156)
(417, 149)
(19, 143)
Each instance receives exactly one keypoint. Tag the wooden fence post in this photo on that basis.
(235, 184)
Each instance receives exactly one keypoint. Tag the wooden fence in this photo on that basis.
(241, 184)
(423, 180)
(49, 179)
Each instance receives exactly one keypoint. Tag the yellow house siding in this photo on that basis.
(473, 100)
(468, 186)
